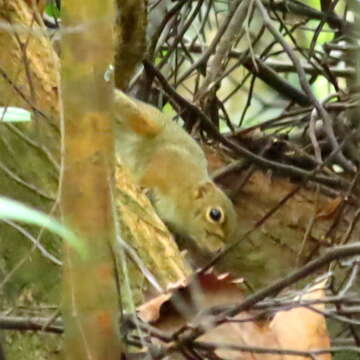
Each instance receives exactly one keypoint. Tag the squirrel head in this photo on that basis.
(214, 217)
(206, 220)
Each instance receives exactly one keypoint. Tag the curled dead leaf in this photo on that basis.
(297, 329)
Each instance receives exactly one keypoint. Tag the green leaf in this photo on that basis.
(52, 10)
(169, 110)
(14, 114)
(13, 210)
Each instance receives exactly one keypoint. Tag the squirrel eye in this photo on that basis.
(215, 215)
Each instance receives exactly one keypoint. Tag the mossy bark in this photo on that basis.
(29, 152)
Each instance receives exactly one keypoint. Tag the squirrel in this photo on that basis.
(164, 158)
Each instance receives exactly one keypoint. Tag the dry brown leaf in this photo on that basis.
(301, 328)
(297, 329)
(328, 210)
(150, 311)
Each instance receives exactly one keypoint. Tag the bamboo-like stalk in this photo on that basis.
(90, 292)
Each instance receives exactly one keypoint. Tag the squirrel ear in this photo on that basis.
(203, 189)
(139, 117)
